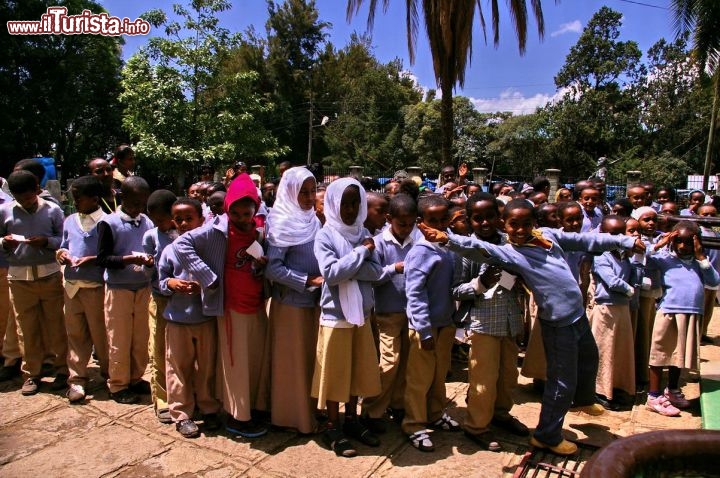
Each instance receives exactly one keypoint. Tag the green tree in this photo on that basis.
(449, 28)
(702, 18)
(59, 92)
(179, 109)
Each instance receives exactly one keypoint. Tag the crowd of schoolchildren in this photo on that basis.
(253, 313)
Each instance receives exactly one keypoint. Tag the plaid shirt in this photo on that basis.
(498, 313)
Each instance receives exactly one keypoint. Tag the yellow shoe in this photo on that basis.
(563, 448)
(595, 409)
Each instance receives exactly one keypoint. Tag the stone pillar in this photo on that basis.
(356, 172)
(633, 179)
(259, 169)
(414, 171)
(553, 175)
(479, 177)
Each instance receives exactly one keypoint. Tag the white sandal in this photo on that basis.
(421, 441)
(445, 423)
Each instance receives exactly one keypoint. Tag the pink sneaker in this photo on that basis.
(662, 405)
(677, 398)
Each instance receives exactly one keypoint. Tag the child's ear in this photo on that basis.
(388, 217)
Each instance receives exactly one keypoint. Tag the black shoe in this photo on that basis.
(607, 404)
(125, 396)
(485, 440)
(30, 387)
(60, 382)
(355, 429)
(187, 428)
(375, 425)
(163, 416)
(47, 370)
(211, 422)
(248, 429)
(511, 425)
(396, 414)
(141, 387)
(9, 372)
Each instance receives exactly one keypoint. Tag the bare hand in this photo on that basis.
(452, 192)
(184, 286)
(64, 258)
(433, 235)
(665, 240)
(427, 344)
(316, 281)
(10, 243)
(369, 243)
(490, 277)
(697, 245)
(83, 261)
(38, 241)
(261, 261)
(463, 170)
(400, 267)
(639, 246)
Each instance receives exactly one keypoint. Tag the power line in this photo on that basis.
(645, 4)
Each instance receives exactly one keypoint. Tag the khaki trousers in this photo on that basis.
(10, 342)
(85, 325)
(156, 351)
(643, 333)
(126, 320)
(38, 306)
(425, 395)
(394, 344)
(709, 307)
(492, 376)
(190, 368)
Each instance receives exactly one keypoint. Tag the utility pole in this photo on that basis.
(310, 127)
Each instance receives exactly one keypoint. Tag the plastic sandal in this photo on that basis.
(336, 441)
(357, 430)
(445, 423)
(421, 441)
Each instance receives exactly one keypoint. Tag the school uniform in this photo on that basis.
(713, 256)
(611, 325)
(430, 306)
(84, 297)
(494, 319)
(572, 356)
(35, 283)
(191, 346)
(644, 316)
(154, 242)
(392, 322)
(127, 296)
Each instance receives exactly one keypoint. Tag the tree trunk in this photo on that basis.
(446, 123)
(711, 134)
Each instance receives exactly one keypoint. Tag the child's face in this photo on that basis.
(707, 211)
(401, 225)
(391, 189)
(306, 195)
(437, 217)
(684, 244)
(186, 217)
(551, 218)
(649, 193)
(669, 207)
(647, 223)
(539, 198)
(484, 219)
(134, 204)
(589, 199)
(615, 227)
(217, 206)
(472, 189)
(663, 196)
(565, 195)
(85, 204)
(194, 192)
(320, 205)
(448, 174)
(377, 211)
(164, 222)
(571, 219)
(519, 224)
(632, 228)
(458, 223)
(203, 192)
(696, 199)
(637, 197)
(350, 205)
(619, 209)
(28, 200)
(241, 214)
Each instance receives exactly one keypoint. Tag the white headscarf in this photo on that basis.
(288, 224)
(641, 211)
(355, 233)
(349, 292)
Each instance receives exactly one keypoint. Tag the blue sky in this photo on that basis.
(497, 79)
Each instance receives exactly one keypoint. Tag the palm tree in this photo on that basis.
(702, 19)
(449, 27)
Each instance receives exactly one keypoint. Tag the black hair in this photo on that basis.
(480, 197)
(542, 211)
(433, 200)
(670, 190)
(185, 201)
(133, 185)
(32, 165)
(216, 194)
(123, 151)
(372, 195)
(609, 218)
(402, 204)
(87, 186)
(626, 205)
(410, 187)
(541, 184)
(519, 204)
(690, 226)
(535, 194)
(564, 206)
(216, 186)
(22, 181)
(161, 202)
(579, 186)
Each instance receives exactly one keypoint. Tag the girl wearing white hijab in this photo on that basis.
(346, 363)
(294, 309)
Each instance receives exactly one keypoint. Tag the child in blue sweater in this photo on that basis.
(539, 257)
(190, 335)
(84, 285)
(430, 306)
(675, 336)
(392, 245)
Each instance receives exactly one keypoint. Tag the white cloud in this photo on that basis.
(572, 27)
(515, 102)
